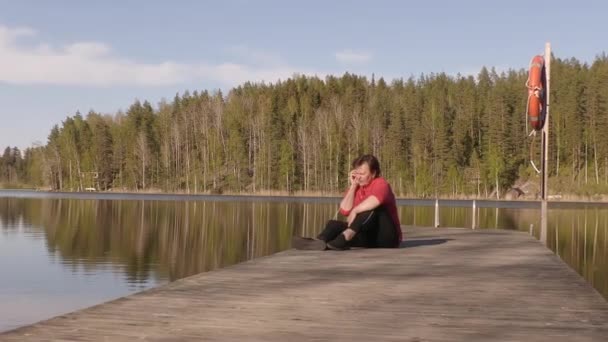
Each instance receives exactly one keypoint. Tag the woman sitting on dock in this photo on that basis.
(371, 210)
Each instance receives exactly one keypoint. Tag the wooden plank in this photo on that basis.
(445, 285)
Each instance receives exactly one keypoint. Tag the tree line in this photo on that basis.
(435, 135)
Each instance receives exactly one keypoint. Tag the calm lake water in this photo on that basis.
(60, 254)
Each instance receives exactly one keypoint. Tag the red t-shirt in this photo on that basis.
(379, 188)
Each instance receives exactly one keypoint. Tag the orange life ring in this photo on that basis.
(536, 93)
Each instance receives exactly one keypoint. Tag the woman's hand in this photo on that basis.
(353, 178)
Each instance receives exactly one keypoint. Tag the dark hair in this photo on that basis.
(371, 161)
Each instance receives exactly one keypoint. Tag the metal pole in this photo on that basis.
(545, 145)
(474, 214)
(531, 228)
(436, 213)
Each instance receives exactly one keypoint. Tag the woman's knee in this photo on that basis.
(363, 218)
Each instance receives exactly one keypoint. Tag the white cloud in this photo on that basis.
(351, 57)
(9, 35)
(95, 64)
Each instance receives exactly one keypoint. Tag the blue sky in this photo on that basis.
(58, 57)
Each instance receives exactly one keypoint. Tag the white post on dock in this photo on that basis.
(473, 225)
(436, 212)
(545, 150)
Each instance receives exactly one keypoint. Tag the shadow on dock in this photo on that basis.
(421, 243)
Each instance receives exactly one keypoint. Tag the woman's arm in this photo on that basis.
(380, 191)
(369, 203)
(347, 202)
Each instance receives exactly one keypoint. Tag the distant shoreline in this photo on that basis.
(266, 196)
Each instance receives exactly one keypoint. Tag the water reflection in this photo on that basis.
(173, 239)
(497, 218)
(580, 238)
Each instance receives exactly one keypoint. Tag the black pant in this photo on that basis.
(374, 228)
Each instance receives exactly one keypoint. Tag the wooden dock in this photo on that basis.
(445, 285)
